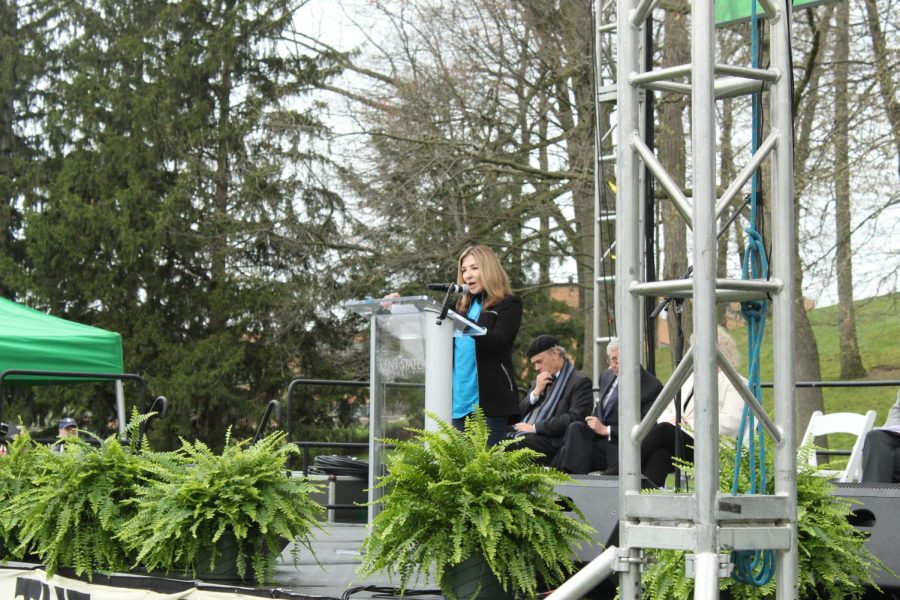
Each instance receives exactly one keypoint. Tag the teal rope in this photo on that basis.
(754, 567)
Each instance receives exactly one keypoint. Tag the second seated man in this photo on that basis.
(561, 395)
(881, 452)
(592, 444)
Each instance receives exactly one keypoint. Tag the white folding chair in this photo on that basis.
(852, 423)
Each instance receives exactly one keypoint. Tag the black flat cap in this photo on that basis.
(540, 344)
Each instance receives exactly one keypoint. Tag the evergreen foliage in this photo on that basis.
(168, 193)
(448, 496)
(244, 491)
(833, 560)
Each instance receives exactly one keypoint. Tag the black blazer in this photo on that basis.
(573, 405)
(650, 389)
(498, 394)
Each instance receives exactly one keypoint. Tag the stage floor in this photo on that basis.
(332, 572)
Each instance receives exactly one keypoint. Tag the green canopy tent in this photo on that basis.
(34, 341)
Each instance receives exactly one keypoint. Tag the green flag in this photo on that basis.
(735, 11)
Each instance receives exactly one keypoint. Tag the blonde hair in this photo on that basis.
(493, 277)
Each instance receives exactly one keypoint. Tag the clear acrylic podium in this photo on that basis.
(410, 352)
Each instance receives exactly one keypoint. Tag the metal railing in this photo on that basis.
(62, 376)
(306, 445)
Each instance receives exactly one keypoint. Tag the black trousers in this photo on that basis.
(583, 451)
(657, 451)
(881, 457)
(546, 445)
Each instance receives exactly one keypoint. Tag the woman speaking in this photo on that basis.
(482, 365)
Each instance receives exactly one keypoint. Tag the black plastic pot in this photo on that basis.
(473, 579)
(226, 562)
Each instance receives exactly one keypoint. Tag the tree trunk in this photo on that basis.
(544, 163)
(851, 362)
(883, 74)
(671, 144)
(575, 111)
(582, 161)
(8, 36)
(806, 357)
(726, 156)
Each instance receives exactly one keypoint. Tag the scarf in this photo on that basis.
(544, 409)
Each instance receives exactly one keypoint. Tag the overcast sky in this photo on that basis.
(876, 241)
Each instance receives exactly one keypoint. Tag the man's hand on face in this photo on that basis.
(544, 379)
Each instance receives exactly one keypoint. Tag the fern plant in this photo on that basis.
(245, 492)
(67, 506)
(448, 496)
(15, 469)
(833, 560)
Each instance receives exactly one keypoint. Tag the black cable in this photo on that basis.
(340, 465)
(649, 196)
(388, 592)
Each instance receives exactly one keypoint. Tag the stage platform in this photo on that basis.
(331, 573)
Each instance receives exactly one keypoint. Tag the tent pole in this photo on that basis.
(120, 406)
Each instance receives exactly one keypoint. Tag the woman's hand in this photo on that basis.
(387, 305)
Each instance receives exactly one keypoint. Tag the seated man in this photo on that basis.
(560, 395)
(592, 444)
(881, 452)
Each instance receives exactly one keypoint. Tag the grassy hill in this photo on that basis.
(878, 332)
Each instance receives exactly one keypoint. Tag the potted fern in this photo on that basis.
(833, 560)
(15, 469)
(452, 501)
(64, 508)
(202, 510)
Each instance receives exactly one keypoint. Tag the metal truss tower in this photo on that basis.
(704, 522)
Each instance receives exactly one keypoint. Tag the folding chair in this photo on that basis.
(851, 423)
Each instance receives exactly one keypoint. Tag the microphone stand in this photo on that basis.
(444, 309)
(678, 351)
(677, 356)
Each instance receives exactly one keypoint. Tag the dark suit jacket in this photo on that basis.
(650, 389)
(573, 405)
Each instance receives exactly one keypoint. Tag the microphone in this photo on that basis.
(450, 288)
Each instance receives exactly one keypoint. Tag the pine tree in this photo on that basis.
(177, 207)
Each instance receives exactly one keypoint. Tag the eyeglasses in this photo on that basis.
(612, 360)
